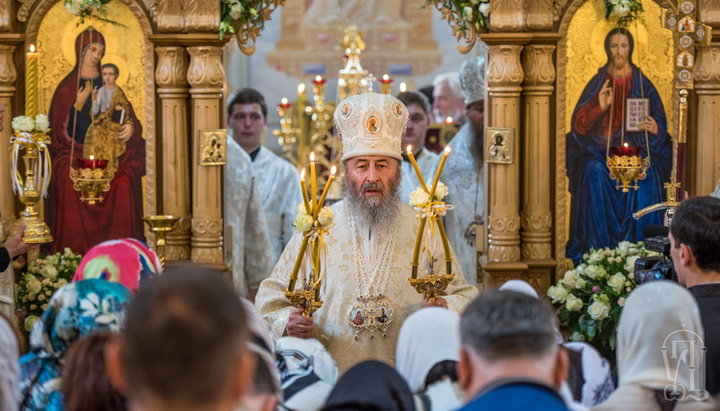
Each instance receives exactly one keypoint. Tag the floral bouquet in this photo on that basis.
(43, 277)
(465, 12)
(626, 11)
(304, 222)
(88, 8)
(590, 297)
(27, 124)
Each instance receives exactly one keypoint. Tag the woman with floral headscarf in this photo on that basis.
(75, 310)
(126, 261)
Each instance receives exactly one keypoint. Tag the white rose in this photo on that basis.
(325, 217)
(33, 286)
(23, 124)
(467, 13)
(441, 191)
(617, 282)
(42, 123)
(580, 284)
(569, 278)
(621, 10)
(595, 271)
(595, 257)
(419, 197)
(485, 9)
(301, 209)
(598, 310)
(49, 272)
(303, 222)
(630, 264)
(573, 303)
(558, 293)
(236, 11)
(474, 1)
(621, 301)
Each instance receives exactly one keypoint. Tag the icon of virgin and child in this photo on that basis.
(90, 115)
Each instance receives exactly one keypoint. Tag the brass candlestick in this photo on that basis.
(161, 225)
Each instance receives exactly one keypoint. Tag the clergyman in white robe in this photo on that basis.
(249, 251)
(277, 183)
(427, 162)
(333, 321)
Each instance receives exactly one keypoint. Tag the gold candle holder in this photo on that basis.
(161, 225)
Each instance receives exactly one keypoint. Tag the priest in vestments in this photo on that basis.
(366, 294)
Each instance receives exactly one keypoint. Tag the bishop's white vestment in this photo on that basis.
(360, 263)
(277, 183)
(249, 253)
(427, 162)
(464, 175)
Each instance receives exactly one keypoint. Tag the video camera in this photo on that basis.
(654, 268)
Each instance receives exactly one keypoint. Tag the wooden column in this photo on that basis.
(8, 75)
(173, 91)
(536, 221)
(206, 76)
(504, 76)
(704, 152)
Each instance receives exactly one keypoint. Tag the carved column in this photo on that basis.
(8, 75)
(173, 91)
(536, 219)
(705, 157)
(504, 76)
(507, 15)
(205, 76)
(539, 14)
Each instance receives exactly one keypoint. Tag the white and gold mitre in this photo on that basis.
(472, 79)
(371, 124)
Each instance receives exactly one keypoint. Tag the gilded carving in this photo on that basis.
(503, 253)
(709, 12)
(202, 15)
(539, 280)
(170, 16)
(213, 255)
(504, 69)
(536, 251)
(207, 240)
(539, 14)
(206, 68)
(538, 65)
(537, 222)
(213, 147)
(504, 224)
(205, 226)
(8, 74)
(507, 15)
(6, 7)
(24, 10)
(172, 66)
(707, 69)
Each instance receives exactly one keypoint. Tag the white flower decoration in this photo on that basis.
(598, 310)
(573, 303)
(419, 197)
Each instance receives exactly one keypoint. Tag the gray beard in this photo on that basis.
(373, 212)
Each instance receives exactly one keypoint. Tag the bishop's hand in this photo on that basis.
(299, 326)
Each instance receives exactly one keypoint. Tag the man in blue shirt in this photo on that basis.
(509, 359)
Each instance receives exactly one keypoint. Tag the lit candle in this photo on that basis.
(301, 89)
(31, 82)
(444, 157)
(298, 261)
(625, 150)
(416, 250)
(92, 163)
(403, 87)
(446, 245)
(328, 183)
(313, 181)
(303, 187)
(386, 84)
(284, 104)
(386, 79)
(414, 163)
(449, 120)
(319, 80)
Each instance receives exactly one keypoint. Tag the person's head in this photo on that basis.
(184, 344)
(419, 119)
(110, 73)
(308, 372)
(448, 99)
(694, 238)
(428, 338)
(619, 46)
(371, 126)
(472, 82)
(370, 385)
(85, 385)
(509, 334)
(247, 118)
(126, 261)
(75, 310)
(658, 319)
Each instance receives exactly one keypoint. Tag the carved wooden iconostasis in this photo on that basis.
(156, 66)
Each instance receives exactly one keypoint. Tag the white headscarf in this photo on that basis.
(427, 336)
(9, 368)
(658, 317)
(307, 372)
(519, 286)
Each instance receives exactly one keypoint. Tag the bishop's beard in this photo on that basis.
(373, 211)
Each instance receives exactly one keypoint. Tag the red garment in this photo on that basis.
(74, 223)
(591, 118)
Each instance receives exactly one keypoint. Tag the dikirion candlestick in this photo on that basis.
(31, 82)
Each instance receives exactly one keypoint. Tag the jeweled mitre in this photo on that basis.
(371, 124)
(472, 79)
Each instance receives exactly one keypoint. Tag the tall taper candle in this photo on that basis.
(444, 157)
(303, 188)
(414, 163)
(328, 183)
(313, 181)
(31, 82)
